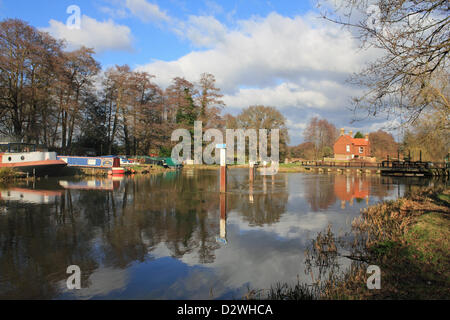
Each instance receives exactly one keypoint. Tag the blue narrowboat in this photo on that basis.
(106, 162)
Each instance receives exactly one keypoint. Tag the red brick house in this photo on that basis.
(347, 148)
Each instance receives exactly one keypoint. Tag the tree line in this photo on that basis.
(65, 101)
(419, 138)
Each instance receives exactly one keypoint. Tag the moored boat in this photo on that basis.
(103, 162)
(23, 157)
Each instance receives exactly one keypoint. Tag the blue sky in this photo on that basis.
(151, 40)
(277, 53)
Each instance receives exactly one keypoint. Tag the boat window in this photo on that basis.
(3, 148)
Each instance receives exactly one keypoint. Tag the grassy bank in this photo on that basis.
(7, 174)
(291, 167)
(96, 172)
(408, 239)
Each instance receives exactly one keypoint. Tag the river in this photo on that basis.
(164, 236)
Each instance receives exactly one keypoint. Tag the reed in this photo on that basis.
(408, 239)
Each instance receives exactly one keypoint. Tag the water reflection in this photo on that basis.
(350, 187)
(32, 196)
(173, 236)
(106, 184)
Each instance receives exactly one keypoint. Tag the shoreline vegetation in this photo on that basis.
(9, 175)
(408, 239)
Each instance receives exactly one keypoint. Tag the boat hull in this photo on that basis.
(39, 168)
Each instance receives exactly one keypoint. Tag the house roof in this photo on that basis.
(360, 141)
(355, 141)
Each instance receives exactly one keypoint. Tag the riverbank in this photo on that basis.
(99, 172)
(290, 167)
(215, 166)
(7, 174)
(408, 239)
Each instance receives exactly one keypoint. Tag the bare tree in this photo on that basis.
(116, 98)
(322, 135)
(27, 65)
(209, 100)
(77, 71)
(412, 75)
(263, 117)
(382, 144)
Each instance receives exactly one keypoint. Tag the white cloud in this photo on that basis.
(101, 36)
(392, 126)
(119, 13)
(204, 31)
(298, 64)
(213, 7)
(284, 95)
(275, 59)
(146, 11)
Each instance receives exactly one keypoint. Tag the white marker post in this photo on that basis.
(223, 167)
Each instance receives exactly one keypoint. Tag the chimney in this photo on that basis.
(342, 131)
(350, 133)
(367, 137)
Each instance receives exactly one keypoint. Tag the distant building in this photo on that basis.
(348, 148)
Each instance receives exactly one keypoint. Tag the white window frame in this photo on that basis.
(361, 150)
(348, 148)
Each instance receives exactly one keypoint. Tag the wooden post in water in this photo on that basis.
(250, 191)
(223, 167)
(251, 172)
(223, 216)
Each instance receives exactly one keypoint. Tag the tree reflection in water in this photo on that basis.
(116, 227)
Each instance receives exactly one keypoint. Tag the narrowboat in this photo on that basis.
(105, 162)
(111, 163)
(159, 161)
(24, 157)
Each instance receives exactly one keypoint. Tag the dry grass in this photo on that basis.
(409, 239)
(7, 174)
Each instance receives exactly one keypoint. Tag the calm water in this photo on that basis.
(165, 237)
